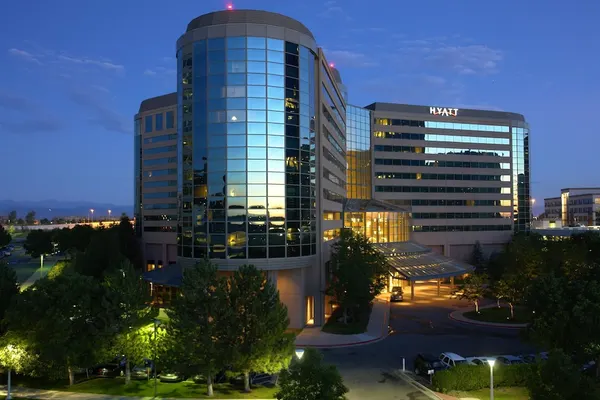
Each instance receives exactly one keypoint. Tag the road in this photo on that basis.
(419, 327)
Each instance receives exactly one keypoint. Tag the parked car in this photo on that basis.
(171, 376)
(143, 371)
(478, 360)
(425, 362)
(397, 294)
(6, 251)
(509, 360)
(533, 358)
(452, 359)
(108, 370)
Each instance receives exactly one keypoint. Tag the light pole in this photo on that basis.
(92, 211)
(8, 387)
(156, 324)
(109, 212)
(491, 363)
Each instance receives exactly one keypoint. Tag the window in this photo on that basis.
(158, 150)
(158, 120)
(159, 161)
(170, 120)
(148, 124)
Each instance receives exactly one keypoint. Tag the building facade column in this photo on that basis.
(439, 281)
(412, 290)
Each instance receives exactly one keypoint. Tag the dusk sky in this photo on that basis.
(73, 74)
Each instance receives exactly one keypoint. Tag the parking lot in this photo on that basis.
(422, 326)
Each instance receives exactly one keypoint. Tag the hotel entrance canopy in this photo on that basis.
(418, 263)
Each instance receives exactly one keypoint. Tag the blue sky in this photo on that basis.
(74, 73)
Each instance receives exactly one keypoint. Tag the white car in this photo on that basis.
(452, 359)
(6, 251)
(479, 360)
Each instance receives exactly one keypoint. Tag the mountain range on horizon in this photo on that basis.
(56, 208)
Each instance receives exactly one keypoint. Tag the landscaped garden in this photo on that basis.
(501, 315)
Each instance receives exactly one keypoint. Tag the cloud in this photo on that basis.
(468, 60)
(348, 58)
(331, 9)
(101, 115)
(104, 64)
(25, 116)
(25, 55)
(160, 71)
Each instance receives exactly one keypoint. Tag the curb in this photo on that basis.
(484, 324)
(408, 379)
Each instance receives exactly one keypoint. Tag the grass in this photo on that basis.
(500, 315)
(187, 389)
(144, 388)
(355, 326)
(501, 393)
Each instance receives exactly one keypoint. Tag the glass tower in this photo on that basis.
(247, 154)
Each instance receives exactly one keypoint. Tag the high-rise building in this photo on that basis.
(575, 206)
(271, 163)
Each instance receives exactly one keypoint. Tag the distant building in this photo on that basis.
(575, 206)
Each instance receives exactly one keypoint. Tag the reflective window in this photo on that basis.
(148, 124)
(158, 122)
(442, 150)
(255, 67)
(461, 228)
(462, 215)
(159, 161)
(161, 138)
(160, 195)
(440, 163)
(256, 55)
(159, 184)
(236, 42)
(160, 172)
(170, 120)
(442, 138)
(443, 125)
(257, 79)
(441, 177)
(441, 189)
(158, 150)
(257, 43)
(275, 44)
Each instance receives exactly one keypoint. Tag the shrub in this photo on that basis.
(474, 377)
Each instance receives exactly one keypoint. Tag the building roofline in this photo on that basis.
(420, 109)
(153, 103)
(225, 17)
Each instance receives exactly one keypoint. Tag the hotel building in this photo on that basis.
(271, 164)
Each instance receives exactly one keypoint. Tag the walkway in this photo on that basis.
(377, 329)
(458, 316)
(18, 392)
(38, 274)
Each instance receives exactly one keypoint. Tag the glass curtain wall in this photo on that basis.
(379, 227)
(521, 176)
(137, 176)
(248, 184)
(359, 153)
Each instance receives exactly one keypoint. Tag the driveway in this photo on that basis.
(367, 370)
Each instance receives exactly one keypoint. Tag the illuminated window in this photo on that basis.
(382, 121)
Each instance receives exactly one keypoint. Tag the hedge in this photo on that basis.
(474, 377)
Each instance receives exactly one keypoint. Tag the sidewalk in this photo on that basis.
(459, 317)
(38, 274)
(377, 329)
(18, 392)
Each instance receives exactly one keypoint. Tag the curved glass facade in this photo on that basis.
(247, 154)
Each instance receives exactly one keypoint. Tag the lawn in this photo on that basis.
(500, 315)
(187, 389)
(510, 393)
(354, 326)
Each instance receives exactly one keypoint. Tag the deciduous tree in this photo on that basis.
(199, 323)
(101, 255)
(358, 272)
(477, 258)
(9, 288)
(63, 320)
(311, 379)
(5, 237)
(30, 218)
(38, 243)
(473, 289)
(258, 321)
(12, 217)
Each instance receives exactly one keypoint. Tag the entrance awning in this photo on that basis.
(169, 275)
(418, 263)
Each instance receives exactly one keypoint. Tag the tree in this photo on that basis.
(128, 242)
(5, 237)
(510, 290)
(198, 322)
(30, 218)
(358, 272)
(15, 355)
(259, 318)
(101, 255)
(75, 239)
(128, 301)
(473, 289)
(20, 221)
(558, 378)
(44, 221)
(63, 320)
(310, 379)
(477, 258)
(39, 243)
(9, 288)
(12, 217)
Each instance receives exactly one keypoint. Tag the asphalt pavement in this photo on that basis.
(419, 327)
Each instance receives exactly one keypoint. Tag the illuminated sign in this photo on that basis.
(446, 112)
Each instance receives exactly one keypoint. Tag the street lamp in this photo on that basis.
(92, 211)
(299, 354)
(491, 363)
(156, 324)
(109, 212)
